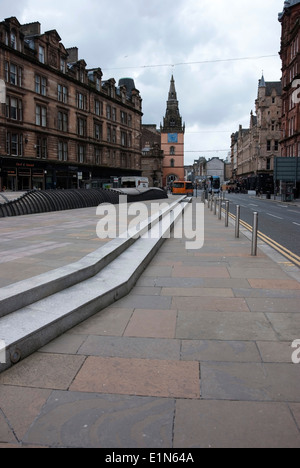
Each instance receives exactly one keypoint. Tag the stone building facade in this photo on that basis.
(152, 155)
(197, 171)
(60, 123)
(216, 167)
(254, 149)
(290, 57)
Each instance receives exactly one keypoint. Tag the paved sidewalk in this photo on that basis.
(35, 244)
(197, 355)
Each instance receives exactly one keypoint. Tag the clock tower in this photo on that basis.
(172, 140)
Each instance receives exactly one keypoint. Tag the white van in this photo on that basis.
(134, 182)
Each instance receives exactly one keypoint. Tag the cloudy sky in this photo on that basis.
(216, 50)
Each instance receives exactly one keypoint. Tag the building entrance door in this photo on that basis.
(24, 179)
(171, 178)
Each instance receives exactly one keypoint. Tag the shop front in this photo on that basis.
(21, 176)
(9, 179)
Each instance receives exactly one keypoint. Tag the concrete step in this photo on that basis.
(24, 293)
(57, 301)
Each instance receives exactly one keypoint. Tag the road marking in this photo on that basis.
(274, 216)
(295, 259)
(297, 224)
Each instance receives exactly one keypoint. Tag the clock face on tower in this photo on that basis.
(172, 138)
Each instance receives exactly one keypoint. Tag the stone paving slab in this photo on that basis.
(152, 323)
(129, 347)
(275, 351)
(89, 420)
(286, 326)
(250, 382)
(289, 284)
(20, 405)
(268, 293)
(143, 377)
(228, 326)
(219, 304)
(234, 424)
(188, 359)
(44, 371)
(273, 304)
(220, 351)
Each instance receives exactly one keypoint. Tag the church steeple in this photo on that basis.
(172, 139)
(261, 82)
(172, 120)
(172, 92)
(262, 88)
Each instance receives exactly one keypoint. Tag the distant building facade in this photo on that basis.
(196, 172)
(216, 167)
(172, 140)
(290, 56)
(152, 155)
(253, 149)
(205, 168)
(60, 123)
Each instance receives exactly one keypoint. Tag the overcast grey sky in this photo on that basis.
(195, 40)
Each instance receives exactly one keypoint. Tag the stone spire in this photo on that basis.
(172, 92)
(261, 82)
(172, 119)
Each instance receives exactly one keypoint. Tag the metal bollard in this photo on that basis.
(215, 206)
(212, 203)
(254, 235)
(226, 213)
(220, 207)
(237, 221)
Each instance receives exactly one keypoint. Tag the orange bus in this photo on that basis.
(183, 188)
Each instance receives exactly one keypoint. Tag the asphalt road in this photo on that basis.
(277, 220)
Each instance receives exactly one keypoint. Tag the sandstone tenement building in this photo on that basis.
(60, 123)
(290, 122)
(254, 149)
(152, 155)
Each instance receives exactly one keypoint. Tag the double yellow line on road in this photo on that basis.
(278, 247)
